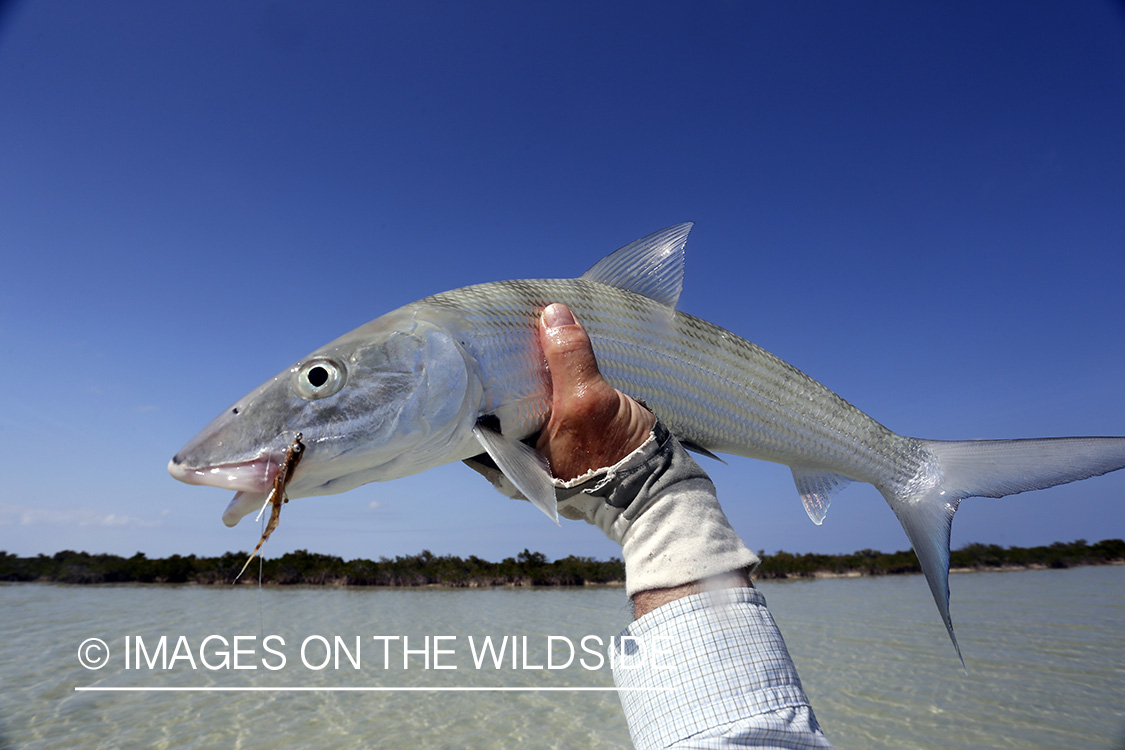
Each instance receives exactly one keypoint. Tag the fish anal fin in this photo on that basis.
(817, 487)
(521, 464)
(652, 266)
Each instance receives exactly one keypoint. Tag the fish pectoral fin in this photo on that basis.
(522, 465)
(487, 468)
(817, 487)
(652, 266)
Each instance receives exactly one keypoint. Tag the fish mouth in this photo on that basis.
(254, 476)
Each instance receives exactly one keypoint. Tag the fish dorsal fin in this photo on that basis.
(817, 487)
(652, 266)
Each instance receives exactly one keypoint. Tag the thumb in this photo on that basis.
(592, 424)
(570, 356)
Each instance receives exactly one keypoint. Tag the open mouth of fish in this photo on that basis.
(255, 482)
(254, 476)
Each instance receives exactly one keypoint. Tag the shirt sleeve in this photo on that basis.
(711, 670)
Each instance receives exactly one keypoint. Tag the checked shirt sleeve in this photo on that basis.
(724, 675)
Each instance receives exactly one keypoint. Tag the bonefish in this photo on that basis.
(458, 374)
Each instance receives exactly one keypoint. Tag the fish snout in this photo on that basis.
(254, 476)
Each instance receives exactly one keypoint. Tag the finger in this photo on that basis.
(591, 424)
(570, 356)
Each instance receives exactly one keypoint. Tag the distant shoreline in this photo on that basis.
(952, 571)
(528, 569)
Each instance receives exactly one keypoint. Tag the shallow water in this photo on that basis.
(1045, 653)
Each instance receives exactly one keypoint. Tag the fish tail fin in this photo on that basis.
(986, 468)
(927, 518)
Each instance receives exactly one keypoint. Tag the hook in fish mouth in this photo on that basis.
(251, 480)
(255, 475)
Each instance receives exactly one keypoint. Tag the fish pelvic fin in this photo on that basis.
(986, 468)
(652, 266)
(524, 467)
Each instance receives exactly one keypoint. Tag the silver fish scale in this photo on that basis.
(710, 386)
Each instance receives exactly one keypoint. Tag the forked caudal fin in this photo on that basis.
(988, 468)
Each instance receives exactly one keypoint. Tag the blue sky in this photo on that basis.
(920, 205)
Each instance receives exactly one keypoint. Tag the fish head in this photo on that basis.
(392, 398)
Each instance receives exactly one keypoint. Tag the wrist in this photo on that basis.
(650, 599)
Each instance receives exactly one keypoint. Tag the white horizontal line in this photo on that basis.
(111, 689)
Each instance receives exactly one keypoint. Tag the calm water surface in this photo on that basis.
(1045, 652)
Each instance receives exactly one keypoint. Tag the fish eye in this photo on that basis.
(318, 375)
(318, 378)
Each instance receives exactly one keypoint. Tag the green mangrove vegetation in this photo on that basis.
(526, 569)
(970, 557)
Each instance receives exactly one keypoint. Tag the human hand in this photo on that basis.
(592, 424)
(616, 467)
(624, 473)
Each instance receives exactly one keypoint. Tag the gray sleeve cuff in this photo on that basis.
(646, 473)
